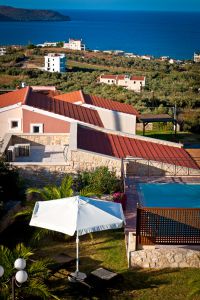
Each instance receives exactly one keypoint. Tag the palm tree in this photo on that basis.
(52, 192)
(37, 273)
(55, 192)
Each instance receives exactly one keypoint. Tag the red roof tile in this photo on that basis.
(110, 104)
(109, 76)
(14, 97)
(72, 97)
(122, 146)
(140, 78)
(63, 108)
(79, 96)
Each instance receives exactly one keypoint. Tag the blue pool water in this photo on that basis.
(169, 195)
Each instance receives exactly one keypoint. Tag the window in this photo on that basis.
(14, 124)
(36, 128)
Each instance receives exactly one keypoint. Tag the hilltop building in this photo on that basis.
(55, 62)
(134, 83)
(2, 51)
(74, 45)
(197, 57)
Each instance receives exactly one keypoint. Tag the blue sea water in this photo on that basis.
(169, 195)
(175, 34)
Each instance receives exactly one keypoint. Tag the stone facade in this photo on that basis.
(41, 139)
(165, 258)
(88, 161)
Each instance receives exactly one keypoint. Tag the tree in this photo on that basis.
(9, 177)
(37, 274)
(51, 192)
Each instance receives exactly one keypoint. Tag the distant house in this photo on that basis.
(134, 83)
(55, 62)
(2, 51)
(74, 45)
(197, 57)
(146, 57)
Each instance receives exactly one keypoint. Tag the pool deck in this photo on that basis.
(133, 198)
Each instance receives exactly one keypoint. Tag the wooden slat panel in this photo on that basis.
(168, 226)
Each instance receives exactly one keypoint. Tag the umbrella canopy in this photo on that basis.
(78, 213)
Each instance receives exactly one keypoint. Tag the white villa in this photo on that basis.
(55, 62)
(2, 51)
(134, 83)
(197, 57)
(74, 45)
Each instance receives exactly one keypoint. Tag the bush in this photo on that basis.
(10, 185)
(101, 180)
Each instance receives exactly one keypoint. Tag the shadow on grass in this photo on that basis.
(127, 284)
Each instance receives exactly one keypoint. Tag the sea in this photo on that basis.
(173, 34)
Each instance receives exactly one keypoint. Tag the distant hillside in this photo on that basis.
(8, 13)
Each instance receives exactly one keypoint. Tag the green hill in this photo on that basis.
(8, 13)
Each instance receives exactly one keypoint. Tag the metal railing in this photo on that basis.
(149, 167)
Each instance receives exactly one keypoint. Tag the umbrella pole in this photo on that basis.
(77, 252)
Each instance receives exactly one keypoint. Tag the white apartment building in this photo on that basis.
(2, 51)
(55, 62)
(134, 83)
(74, 45)
(197, 57)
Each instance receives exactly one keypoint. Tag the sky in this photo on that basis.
(147, 5)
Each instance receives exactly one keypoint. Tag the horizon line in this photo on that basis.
(107, 9)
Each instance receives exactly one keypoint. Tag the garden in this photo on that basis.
(47, 279)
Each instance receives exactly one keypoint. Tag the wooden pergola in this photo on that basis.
(151, 118)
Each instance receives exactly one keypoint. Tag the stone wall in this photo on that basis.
(41, 139)
(40, 174)
(88, 161)
(165, 258)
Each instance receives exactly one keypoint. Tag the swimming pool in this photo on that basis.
(169, 195)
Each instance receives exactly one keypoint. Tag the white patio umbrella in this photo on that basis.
(77, 214)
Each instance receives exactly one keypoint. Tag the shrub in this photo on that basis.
(101, 179)
(10, 184)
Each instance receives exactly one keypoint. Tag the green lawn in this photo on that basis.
(107, 249)
(182, 137)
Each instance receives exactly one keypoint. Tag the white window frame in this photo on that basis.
(18, 128)
(40, 125)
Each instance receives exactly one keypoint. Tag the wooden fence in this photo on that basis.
(168, 226)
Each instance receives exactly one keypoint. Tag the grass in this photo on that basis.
(182, 137)
(107, 249)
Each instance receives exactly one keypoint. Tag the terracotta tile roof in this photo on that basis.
(63, 108)
(76, 96)
(140, 78)
(14, 97)
(121, 77)
(79, 96)
(122, 146)
(109, 76)
(110, 104)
